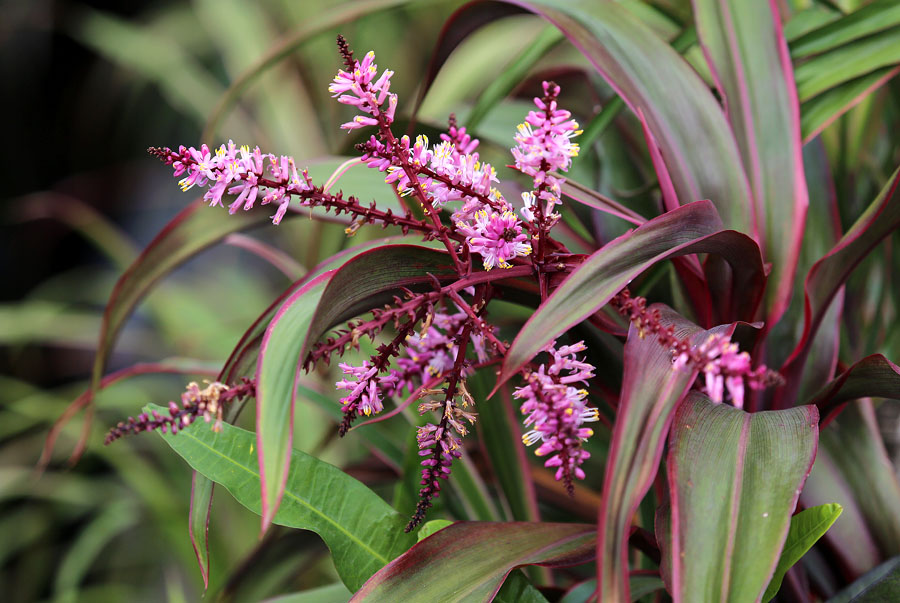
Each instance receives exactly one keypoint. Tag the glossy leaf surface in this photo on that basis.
(362, 531)
(807, 527)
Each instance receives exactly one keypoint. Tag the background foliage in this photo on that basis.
(102, 83)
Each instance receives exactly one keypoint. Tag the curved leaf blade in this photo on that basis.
(881, 584)
(467, 562)
(362, 531)
(828, 275)
(872, 18)
(734, 479)
(873, 376)
(807, 527)
(693, 228)
(361, 284)
(651, 391)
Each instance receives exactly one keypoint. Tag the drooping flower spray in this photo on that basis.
(428, 342)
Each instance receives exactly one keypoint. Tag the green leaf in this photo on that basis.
(847, 62)
(431, 527)
(880, 585)
(819, 111)
(693, 228)
(333, 593)
(468, 561)
(872, 18)
(680, 111)
(365, 282)
(734, 479)
(363, 532)
(807, 527)
(749, 58)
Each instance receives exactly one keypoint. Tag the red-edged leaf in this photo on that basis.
(873, 376)
(734, 479)
(651, 391)
(856, 468)
(749, 59)
(363, 283)
(827, 276)
(693, 228)
(680, 111)
(468, 561)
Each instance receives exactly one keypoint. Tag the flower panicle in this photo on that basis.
(251, 175)
(723, 366)
(556, 410)
(544, 145)
(208, 403)
(358, 87)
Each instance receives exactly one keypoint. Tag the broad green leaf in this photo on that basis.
(365, 282)
(651, 391)
(693, 228)
(362, 531)
(641, 585)
(807, 527)
(680, 111)
(819, 111)
(431, 527)
(872, 18)
(878, 586)
(828, 275)
(749, 59)
(734, 479)
(468, 561)
(847, 63)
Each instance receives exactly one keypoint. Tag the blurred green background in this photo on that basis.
(87, 87)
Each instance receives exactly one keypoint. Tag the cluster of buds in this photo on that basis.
(556, 410)
(207, 403)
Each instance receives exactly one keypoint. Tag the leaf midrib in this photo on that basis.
(288, 493)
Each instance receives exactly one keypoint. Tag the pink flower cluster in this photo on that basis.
(544, 144)
(497, 237)
(725, 368)
(238, 171)
(356, 87)
(556, 411)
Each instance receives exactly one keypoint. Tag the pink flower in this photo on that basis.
(557, 411)
(497, 237)
(543, 145)
(356, 87)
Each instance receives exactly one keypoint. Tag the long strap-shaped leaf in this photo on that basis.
(827, 276)
(651, 390)
(749, 59)
(734, 479)
(362, 531)
(359, 285)
(694, 137)
(468, 561)
(693, 228)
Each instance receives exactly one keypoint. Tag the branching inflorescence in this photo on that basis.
(439, 337)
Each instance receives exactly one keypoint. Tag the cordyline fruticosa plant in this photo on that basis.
(424, 327)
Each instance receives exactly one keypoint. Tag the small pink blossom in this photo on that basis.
(497, 237)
